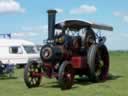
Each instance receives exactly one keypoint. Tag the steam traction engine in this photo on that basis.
(72, 48)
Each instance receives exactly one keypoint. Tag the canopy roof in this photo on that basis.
(78, 24)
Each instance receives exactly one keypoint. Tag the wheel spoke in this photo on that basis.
(29, 74)
(34, 81)
(30, 79)
(98, 72)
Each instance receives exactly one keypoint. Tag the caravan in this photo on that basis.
(16, 51)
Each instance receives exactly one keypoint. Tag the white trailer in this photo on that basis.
(17, 52)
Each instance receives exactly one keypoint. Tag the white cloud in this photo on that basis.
(10, 6)
(125, 18)
(117, 13)
(43, 29)
(23, 34)
(122, 15)
(34, 28)
(115, 40)
(36, 34)
(59, 10)
(32, 31)
(84, 9)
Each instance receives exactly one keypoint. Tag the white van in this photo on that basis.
(17, 52)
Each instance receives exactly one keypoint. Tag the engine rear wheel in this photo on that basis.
(31, 68)
(66, 75)
(98, 61)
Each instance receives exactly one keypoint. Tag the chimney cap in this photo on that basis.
(52, 11)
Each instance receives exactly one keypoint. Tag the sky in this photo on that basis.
(27, 19)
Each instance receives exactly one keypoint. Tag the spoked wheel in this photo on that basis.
(29, 79)
(98, 61)
(66, 75)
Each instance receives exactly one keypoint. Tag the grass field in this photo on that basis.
(117, 85)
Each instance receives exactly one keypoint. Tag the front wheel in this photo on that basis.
(98, 61)
(66, 75)
(29, 79)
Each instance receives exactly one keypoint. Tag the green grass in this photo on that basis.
(117, 85)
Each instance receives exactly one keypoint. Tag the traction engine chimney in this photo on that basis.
(51, 23)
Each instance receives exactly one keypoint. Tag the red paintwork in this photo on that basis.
(48, 73)
(36, 74)
(48, 65)
(79, 62)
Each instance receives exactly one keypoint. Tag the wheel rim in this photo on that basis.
(34, 69)
(30, 79)
(66, 75)
(102, 64)
(99, 65)
(105, 68)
